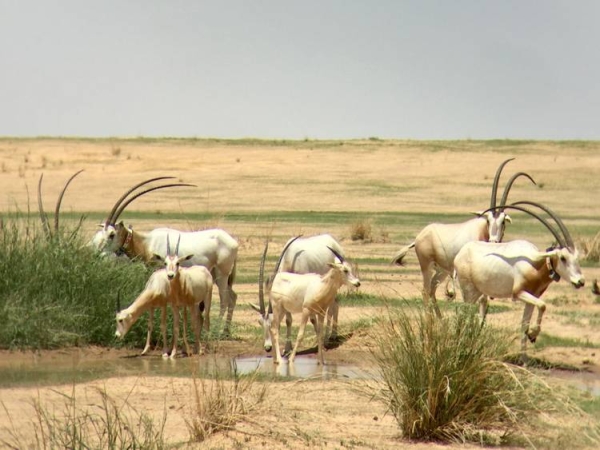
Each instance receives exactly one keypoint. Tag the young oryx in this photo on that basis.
(309, 294)
(179, 287)
(311, 255)
(214, 249)
(518, 270)
(437, 244)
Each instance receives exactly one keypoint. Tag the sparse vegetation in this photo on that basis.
(590, 247)
(361, 231)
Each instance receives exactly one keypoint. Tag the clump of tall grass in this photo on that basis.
(220, 403)
(590, 247)
(57, 292)
(361, 231)
(445, 379)
(105, 425)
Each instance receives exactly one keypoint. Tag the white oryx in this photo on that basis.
(180, 287)
(312, 255)
(437, 244)
(309, 294)
(518, 270)
(214, 249)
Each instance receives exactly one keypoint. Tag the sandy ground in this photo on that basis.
(356, 176)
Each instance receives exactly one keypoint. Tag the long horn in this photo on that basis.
(261, 280)
(558, 220)
(177, 246)
(283, 253)
(168, 246)
(43, 215)
(557, 236)
(510, 183)
(493, 198)
(60, 198)
(139, 194)
(111, 219)
(340, 257)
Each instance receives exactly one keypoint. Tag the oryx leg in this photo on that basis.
(483, 307)
(331, 330)
(163, 330)
(149, 333)
(288, 334)
(185, 331)
(432, 277)
(320, 338)
(451, 288)
(227, 297)
(175, 330)
(530, 302)
(305, 316)
(275, 324)
(197, 319)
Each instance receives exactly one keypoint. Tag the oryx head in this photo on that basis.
(266, 313)
(495, 216)
(341, 266)
(112, 235)
(562, 258)
(124, 319)
(172, 260)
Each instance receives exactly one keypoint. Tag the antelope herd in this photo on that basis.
(311, 270)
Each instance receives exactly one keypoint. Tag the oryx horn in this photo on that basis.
(43, 215)
(557, 219)
(60, 197)
(338, 256)
(139, 194)
(283, 253)
(168, 246)
(510, 183)
(493, 198)
(111, 216)
(261, 279)
(177, 246)
(544, 222)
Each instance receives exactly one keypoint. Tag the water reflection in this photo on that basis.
(71, 369)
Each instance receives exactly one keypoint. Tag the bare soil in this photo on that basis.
(258, 177)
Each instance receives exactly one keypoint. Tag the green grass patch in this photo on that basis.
(549, 340)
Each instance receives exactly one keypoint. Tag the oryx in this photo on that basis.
(214, 249)
(437, 244)
(518, 270)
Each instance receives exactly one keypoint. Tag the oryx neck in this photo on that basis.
(554, 276)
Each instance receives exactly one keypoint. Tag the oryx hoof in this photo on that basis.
(532, 339)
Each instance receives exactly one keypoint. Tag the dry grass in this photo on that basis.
(590, 247)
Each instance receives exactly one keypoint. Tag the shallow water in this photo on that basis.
(73, 369)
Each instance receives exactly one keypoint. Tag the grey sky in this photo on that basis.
(417, 69)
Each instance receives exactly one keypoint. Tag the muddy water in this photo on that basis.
(71, 369)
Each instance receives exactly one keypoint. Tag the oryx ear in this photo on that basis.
(331, 264)
(187, 258)
(507, 218)
(100, 225)
(478, 214)
(156, 257)
(255, 307)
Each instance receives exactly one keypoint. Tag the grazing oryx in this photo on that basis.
(44, 216)
(518, 270)
(180, 287)
(437, 244)
(214, 249)
(309, 294)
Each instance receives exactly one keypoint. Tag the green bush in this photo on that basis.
(445, 379)
(56, 292)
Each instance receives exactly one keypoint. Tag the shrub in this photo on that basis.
(590, 247)
(360, 231)
(445, 379)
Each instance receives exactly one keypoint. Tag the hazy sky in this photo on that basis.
(419, 69)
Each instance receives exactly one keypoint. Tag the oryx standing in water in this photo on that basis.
(214, 249)
(437, 244)
(518, 270)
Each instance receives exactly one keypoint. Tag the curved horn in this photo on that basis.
(261, 280)
(139, 194)
(510, 183)
(283, 253)
(495, 184)
(60, 197)
(43, 215)
(111, 216)
(338, 256)
(177, 246)
(557, 236)
(558, 220)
